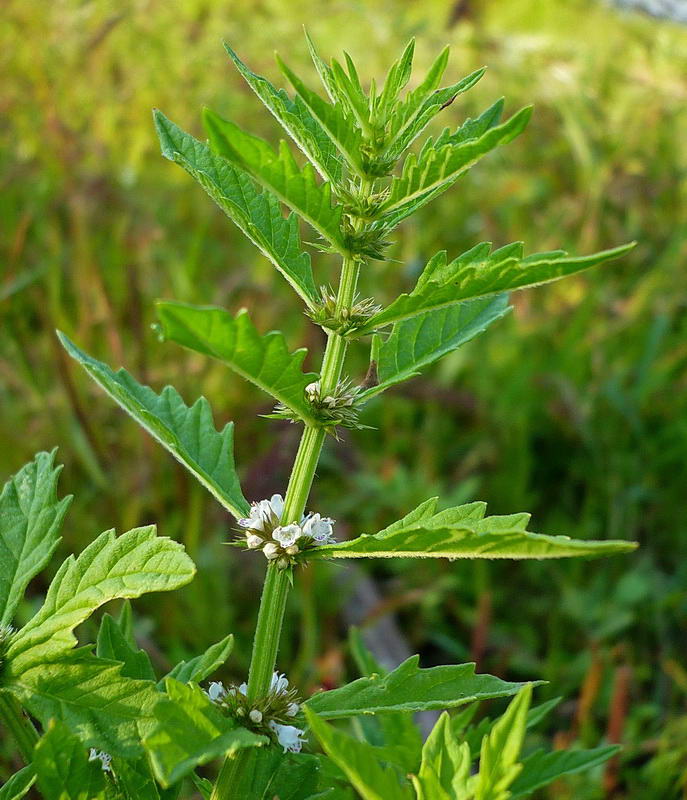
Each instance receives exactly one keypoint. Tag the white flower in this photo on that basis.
(319, 528)
(255, 716)
(312, 391)
(279, 684)
(277, 504)
(292, 710)
(271, 550)
(216, 691)
(104, 758)
(262, 512)
(289, 737)
(243, 688)
(253, 541)
(287, 535)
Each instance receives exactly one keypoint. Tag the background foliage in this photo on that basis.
(574, 407)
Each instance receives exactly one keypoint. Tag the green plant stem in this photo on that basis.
(19, 725)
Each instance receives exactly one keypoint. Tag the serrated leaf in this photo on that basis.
(201, 667)
(499, 757)
(63, 769)
(111, 567)
(188, 433)
(396, 80)
(418, 342)
(296, 120)
(336, 122)
(359, 762)
(263, 360)
(445, 766)
(479, 273)
(257, 214)
(30, 521)
(279, 173)
(19, 784)
(441, 162)
(113, 645)
(541, 768)
(464, 532)
(409, 688)
(189, 730)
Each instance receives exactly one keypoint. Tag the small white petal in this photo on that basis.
(287, 535)
(216, 691)
(255, 716)
(292, 710)
(289, 737)
(319, 528)
(243, 688)
(279, 683)
(254, 541)
(277, 504)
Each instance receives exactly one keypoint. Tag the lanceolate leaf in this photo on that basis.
(279, 173)
(257, 214)
(409, 688)
(263, 360)
(188, 433)
(464, 532)
(541, 768)
(30, 520)
(63, 769)
(19, 784)
(201, 667)
(110, 567)
(445, 767)
(189, 730)
(478, 273)
(441, 163)
(420, 341)
(359, 762)
(296, 120)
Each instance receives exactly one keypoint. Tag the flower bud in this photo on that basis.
(292, 710)
(283, 563)
(255, 716)
(292, 549)
(253, 541)
(271, 550)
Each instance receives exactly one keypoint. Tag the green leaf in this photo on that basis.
(201, 667)
(30, 521)
(464, 532)
(541, 768)
(409, 688)
(396, 80)
(359, 762)
(110, 567)
(263, 360)
(189, 730)
(63, 769)
(499, 765)
(91, 697)
(279, 173)
(19, 784)
(445, 766)
(114, 646)
(441, 162)
(296, 120)
(418, 342)
(336, 122)
(188, 433)
(257, 214)
(135, 781)
(479, 273)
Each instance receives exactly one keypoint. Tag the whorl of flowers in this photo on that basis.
(282, 543)
(270, 715)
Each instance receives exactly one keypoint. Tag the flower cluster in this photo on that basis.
(345, 321)
(269, 715)
(282, 543)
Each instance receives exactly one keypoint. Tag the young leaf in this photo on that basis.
(499, 765)
(263, 360)
(63, 768)
(541, 768)
(464, 532)
(188, 433)
(359, 762)
(420, 341)
(202, 666)
(296, 120)
(396, 80)
(30, 521)
(445, 766)
(279, 173)
(114, 646)
(19, 784)
(90, 696)
(441, 163)
(257, 214)
(189, 730)
(478, 273)
(110, 567)
(409, 688)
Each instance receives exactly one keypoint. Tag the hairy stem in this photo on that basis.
(19, 725)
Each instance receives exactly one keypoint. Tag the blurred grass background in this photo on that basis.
(574, 408)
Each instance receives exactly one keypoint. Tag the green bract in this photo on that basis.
(111, 727)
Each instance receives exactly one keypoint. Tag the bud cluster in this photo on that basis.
(282, 543)
(346, 321)
(271, 715)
